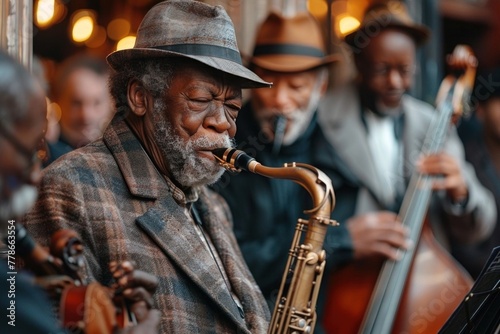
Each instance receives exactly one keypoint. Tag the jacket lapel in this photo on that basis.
(175, 235)
(344, 128)
(138, 171)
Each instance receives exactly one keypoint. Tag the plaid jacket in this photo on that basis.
(112, 195)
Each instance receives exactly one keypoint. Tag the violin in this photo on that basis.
(83, 308)
(418, 293)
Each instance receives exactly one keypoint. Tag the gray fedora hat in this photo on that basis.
(192, 29)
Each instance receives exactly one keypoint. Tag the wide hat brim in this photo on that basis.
(290, 44)
(248, 79)
(291, 63)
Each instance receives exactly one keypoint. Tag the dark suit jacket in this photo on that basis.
(112, 195)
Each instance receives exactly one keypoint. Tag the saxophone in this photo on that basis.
(295, 310)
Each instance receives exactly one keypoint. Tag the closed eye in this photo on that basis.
(199, 104)
(232, 106)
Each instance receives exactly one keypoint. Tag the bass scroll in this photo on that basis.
(295, 309)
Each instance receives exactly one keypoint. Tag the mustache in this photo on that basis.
(273, 115)
(209, 144)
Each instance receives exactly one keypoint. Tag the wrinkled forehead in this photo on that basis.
(201, 73)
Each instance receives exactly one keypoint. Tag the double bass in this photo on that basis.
(418, 293)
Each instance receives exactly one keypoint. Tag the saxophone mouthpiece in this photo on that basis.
(232, 159)
(279, 133)
(219, 153)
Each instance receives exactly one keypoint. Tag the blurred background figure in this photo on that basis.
(52, 131)
(22, 124)
(81, 91)
(26, 308)
(379, 130)
(482, 150)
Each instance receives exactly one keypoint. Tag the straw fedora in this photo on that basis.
(380, 16)
(290, 44)
(192, 29)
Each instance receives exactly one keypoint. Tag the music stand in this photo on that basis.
(479, 312)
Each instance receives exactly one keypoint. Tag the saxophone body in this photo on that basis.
(295, 309)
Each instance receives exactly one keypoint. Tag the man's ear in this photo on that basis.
(137, 97)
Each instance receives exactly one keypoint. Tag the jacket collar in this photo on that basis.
(135, 165)
(347, 133)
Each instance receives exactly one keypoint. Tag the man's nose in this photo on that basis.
(218, 119)
(88, 114)
(395, 79)
(282, 101)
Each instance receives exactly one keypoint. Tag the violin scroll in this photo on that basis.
(67, 246)
(456, 87)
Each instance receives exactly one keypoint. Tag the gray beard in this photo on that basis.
(186, 167)
(300, 118)
(299, 122)
(21, 201)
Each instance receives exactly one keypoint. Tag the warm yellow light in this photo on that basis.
(125, 43)
(82, 29)
(45, 12)
(347, 24)
(54, 111)
(48, 13)
(318, 8)
(98, 37)
(118, 28)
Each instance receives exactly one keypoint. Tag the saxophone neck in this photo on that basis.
(317, 183)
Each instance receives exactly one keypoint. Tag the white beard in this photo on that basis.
(186, 167)
(300, 118)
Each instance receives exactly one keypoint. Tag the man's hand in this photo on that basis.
(137, 288)
(378, 234)
(452, 180)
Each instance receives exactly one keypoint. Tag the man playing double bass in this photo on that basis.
(378, 131)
